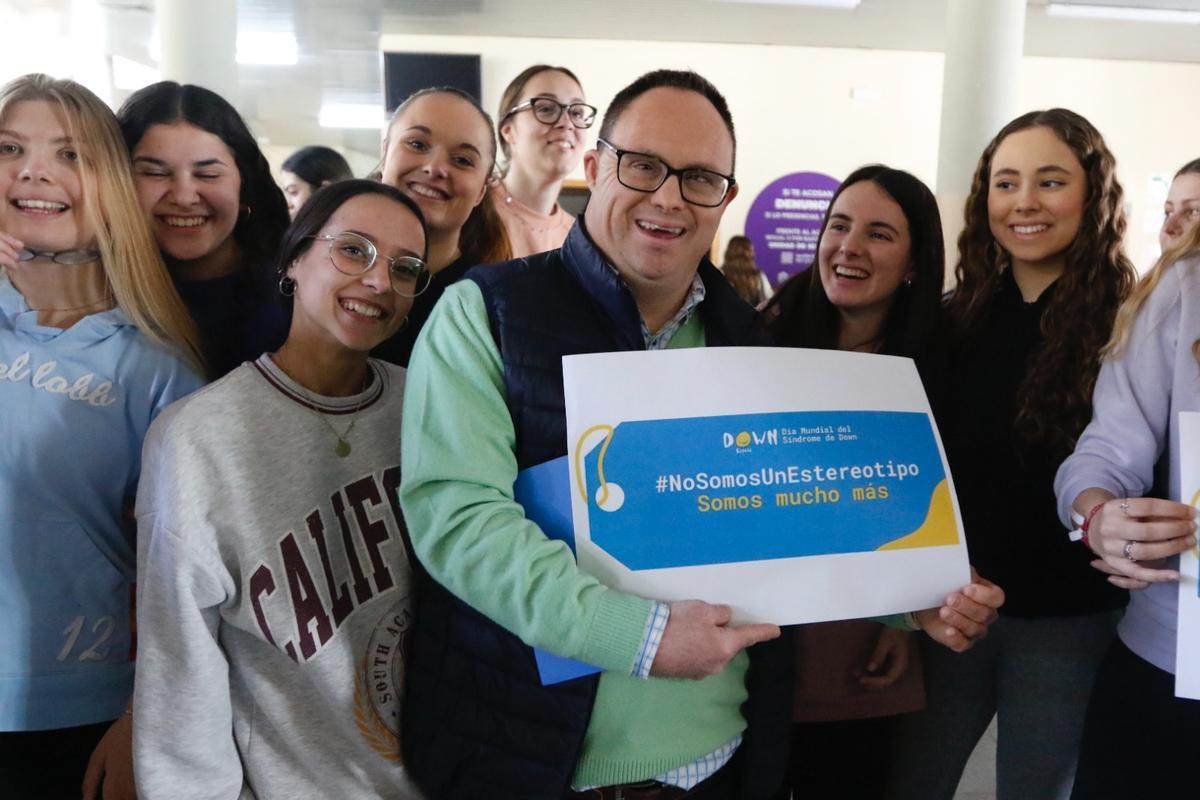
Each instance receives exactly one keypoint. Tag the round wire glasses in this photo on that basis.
(354, 254)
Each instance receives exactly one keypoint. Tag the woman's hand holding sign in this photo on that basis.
(965, 616)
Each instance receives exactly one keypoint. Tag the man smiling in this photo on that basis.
(484, 399)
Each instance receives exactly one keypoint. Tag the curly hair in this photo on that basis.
(1054, 402)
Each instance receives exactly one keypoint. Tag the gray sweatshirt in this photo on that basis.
(1133, 438)
(273, 593)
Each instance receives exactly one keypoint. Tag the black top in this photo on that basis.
(236, 322)
(398, 349)
(1005, 485)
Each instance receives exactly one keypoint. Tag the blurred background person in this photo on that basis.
(743, 273)
(308, 169)
(1182, 209)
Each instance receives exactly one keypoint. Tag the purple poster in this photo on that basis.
(784, 222)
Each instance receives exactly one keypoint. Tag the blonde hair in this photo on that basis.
(1127, 314)
(133, 266)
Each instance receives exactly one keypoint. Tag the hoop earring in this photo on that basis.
(244, 212)
(287, 286)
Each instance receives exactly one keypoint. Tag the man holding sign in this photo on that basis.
(485, 400)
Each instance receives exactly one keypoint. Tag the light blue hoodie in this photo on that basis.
(74, 407)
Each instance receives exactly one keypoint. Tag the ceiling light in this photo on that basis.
(1123, 13)
(351, 115)
(266, 47)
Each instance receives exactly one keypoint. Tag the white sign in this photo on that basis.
(1187, 642)
(794, 485)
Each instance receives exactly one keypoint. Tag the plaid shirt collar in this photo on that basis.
(659, 341)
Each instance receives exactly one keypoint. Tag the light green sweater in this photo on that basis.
(459, 464)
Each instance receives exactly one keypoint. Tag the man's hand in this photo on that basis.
(699, 641)
(109, 773)
(966, 615)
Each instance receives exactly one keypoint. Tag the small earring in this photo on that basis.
(908, 281)
(287, 285)
(244, 212)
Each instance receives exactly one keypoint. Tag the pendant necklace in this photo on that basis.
(517, 212)
(342, 448)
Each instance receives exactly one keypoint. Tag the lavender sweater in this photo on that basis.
(1132, 442)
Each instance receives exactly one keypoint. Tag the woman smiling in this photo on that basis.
(279, 478)
(543, 123)
(94, 343)
(440, 150)
(1041, 273)
(216, 213)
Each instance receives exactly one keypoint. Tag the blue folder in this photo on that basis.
(545, 492)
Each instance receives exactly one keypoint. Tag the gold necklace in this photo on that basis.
(342, 448)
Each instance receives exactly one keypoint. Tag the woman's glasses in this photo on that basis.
(354, 254)
(548, 111)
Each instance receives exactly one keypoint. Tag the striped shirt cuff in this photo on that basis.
(687, 776)
(651, 639)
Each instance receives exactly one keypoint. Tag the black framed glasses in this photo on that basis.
(548, 111)
(646, 173)
(354, 254)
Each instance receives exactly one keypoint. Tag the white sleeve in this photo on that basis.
(182, 712)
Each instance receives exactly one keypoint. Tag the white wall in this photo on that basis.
(794, 110)
(1149, 114)
(791, 106)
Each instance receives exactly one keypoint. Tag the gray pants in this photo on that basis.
(1035, 676)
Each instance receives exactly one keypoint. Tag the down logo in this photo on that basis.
(745, 441)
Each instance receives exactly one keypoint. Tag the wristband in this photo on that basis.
(1087, 522)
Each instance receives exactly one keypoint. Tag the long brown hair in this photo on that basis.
(132, 263)
(741, 271)
(1054, 402)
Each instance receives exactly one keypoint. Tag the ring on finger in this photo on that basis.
(1128, 551)
(1125, 507)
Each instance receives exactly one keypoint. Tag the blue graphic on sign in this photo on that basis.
(712, 490)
